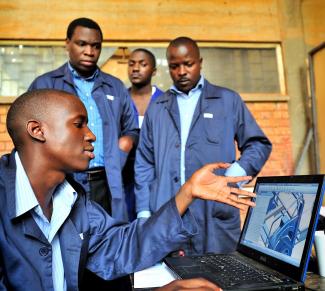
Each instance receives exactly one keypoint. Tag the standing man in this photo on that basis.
(141, 69)
(110, 112)
(195, 123)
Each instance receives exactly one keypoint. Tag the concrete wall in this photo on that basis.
(244, 20)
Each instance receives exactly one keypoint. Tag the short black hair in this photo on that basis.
(84, 22)
(184, 40)
(149, 53)
(33, 104)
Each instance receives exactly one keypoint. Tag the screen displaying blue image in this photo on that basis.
(278, 224)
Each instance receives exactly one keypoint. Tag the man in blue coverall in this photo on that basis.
(111, 116)
(141, 69)
(50, 232)
(192, 124)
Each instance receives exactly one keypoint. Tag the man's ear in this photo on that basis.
(154, 71)
(67, 42)
(34, 129)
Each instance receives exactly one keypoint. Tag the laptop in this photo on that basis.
(275, 243)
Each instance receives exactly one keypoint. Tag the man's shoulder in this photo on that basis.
(7, 161)
(114, 81)
(218, 90)
(54, 73)
(160, 100)
(7, 170)
(158, 92)
(46, 80)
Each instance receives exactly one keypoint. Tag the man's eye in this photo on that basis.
(78, 124)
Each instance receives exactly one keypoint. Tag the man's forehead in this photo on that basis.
(70, 109)
(62, 99)
(87, 33)
(139, 55)
(183, 49)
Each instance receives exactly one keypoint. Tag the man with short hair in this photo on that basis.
(191, 124)
(141, 69)
(111, 116)
(51, 233)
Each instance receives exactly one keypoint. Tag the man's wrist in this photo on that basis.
(184, 197)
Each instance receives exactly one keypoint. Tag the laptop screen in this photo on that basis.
(278, 225)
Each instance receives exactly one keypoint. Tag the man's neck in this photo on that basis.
(145, 90)
(45, 186)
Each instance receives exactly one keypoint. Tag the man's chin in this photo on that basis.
(185, 89)
(80, 168)
(86, 71)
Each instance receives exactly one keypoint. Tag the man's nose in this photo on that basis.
(89, 136)
(89, 50)
(181, 70)
(136, 67)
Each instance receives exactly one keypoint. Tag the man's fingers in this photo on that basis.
(238, 179)
(242, 192)
(240, 201)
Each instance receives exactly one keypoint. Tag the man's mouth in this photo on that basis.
(135, 76)
(89, 152)
(87, 63)
(183, 81)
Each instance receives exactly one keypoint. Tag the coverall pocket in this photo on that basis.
(214, 130)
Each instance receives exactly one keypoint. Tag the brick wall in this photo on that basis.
(273, 118)
(5, 141)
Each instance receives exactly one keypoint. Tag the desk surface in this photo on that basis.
(315, 282)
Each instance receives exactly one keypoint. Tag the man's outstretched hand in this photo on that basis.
(204, 184)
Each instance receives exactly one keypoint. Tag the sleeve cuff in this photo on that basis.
(235, 170)
(144, 214)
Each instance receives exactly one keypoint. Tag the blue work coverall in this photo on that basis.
(220, 119)
(89, 238)
(118, 117)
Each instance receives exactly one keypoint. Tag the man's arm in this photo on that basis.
(252, 143)
(116, 250)
(128, 123)
(129, 134)
(144, 167)
(204, 184)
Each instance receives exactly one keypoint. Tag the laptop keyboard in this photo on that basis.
(230, 271)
